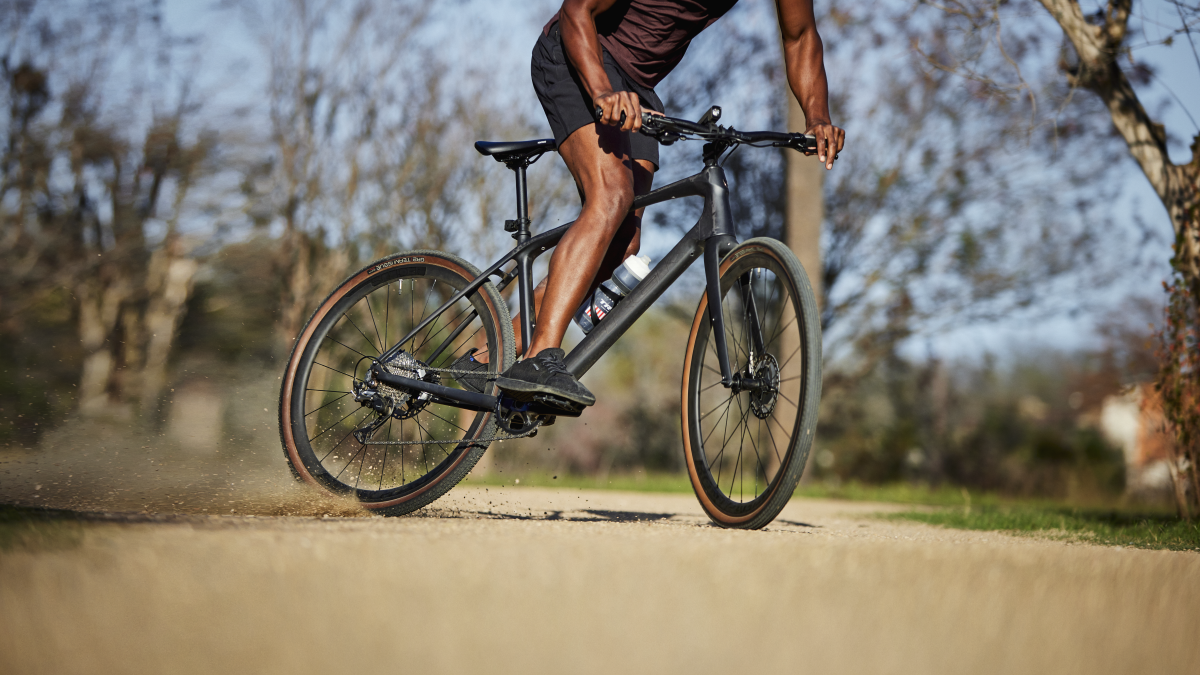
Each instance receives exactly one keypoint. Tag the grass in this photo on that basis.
(898, 493)
(1111, 527)
(960, 508)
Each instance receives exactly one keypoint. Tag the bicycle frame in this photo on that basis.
(712, 236)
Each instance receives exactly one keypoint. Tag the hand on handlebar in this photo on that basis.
(829, 142)
(619, 109)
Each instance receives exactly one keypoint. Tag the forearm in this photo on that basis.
(577, 21)
(805, 62)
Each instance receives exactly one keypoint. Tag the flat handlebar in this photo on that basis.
(667, 130)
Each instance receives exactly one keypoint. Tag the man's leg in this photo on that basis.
(603, 236)
(598, 157)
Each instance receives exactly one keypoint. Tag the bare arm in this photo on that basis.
(577, 21)
(803, 55)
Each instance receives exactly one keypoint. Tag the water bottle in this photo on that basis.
(597, 305)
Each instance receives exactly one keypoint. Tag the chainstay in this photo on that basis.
(487, 375)
(487, 439)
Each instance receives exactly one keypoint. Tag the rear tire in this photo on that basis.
(360, 320)
(745, 450)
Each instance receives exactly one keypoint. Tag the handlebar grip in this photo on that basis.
(599, 112)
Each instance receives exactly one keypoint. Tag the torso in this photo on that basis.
(648, 38)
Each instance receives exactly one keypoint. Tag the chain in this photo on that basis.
(487, 439)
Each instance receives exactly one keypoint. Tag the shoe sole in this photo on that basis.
(524, 391)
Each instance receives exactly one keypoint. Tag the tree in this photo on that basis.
(95, 179)
(368, 152)
(1097, 57)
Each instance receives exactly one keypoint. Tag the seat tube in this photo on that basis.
(524, 263)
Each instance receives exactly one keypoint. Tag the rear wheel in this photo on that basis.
(400, 452)
(746, 445)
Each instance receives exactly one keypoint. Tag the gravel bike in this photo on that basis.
(370, 407)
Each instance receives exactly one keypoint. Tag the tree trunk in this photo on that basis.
(169, 285)
(805, 204)
(100, 303)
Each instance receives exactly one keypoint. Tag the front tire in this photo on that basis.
(745, 450)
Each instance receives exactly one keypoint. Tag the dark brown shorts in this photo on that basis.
(566, 102)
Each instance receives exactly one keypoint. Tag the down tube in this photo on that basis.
(584, 356)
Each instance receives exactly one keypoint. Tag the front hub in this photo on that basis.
(765, 393)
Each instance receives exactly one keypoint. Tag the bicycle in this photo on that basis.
(390, 424)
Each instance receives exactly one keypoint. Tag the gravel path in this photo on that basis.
(528, 580)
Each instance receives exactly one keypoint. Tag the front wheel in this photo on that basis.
(746, 445)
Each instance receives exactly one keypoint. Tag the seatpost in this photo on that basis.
(520, 226)
(520, 230)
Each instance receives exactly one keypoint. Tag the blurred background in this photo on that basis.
(182, 183)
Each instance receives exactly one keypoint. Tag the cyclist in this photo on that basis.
(609, 54)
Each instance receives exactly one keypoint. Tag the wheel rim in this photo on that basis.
(742, 437)
(358, 328)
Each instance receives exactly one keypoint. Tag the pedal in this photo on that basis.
(549, 404)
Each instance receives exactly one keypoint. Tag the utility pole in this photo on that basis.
(804, 212)
(805, 203)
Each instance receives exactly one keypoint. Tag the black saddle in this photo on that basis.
(525, 152)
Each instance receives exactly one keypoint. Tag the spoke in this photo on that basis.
(741, 445)
(335, 424)
(360, 331)
(438, 445)
(352, 458)
(446, 420)
(726, 443)
(328, 404)
(383, 469)
(704, 441)
(714, 408)
(387, 311)
(780, 425)
(780, 394)
(449, 353)
(361, 464)
(789, 359)
(734, 339)
(773, 444)
(331, 391)
(330, 337)
(373, 324)
(334, 369)
(335, 447)
(714, 384)
(785, 327)
(425, 302)
(757, 458)
(429, 337)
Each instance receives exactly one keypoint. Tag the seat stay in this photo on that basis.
(531, 249)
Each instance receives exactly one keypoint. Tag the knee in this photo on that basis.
(614, 201)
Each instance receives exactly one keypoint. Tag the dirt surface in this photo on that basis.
(527, 580)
